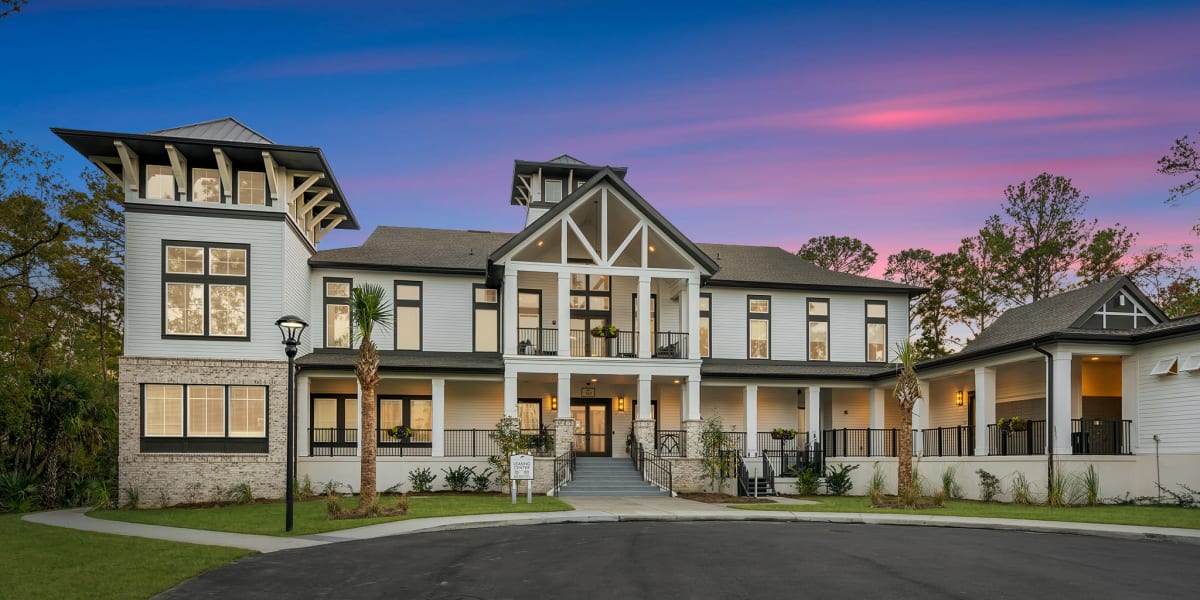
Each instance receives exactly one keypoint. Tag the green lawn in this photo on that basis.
(39, 561)
(267, 519)
(1152, 516)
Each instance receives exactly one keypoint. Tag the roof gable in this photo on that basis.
(227, 129)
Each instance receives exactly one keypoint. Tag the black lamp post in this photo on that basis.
(291, 327)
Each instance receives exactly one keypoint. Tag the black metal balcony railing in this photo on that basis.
(737, 441)
(1004, 441)
(537, 341)
(787, 463)
(670, 344)
(766, 442)
(331, 441)
(1101, 436)
(859, 442)
(949, 441)
(671, 442)
(667, 344)
(458, 442)
(419, 443)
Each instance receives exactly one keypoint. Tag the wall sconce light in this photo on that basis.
(958, 398)
(553, 402)
(620, 403)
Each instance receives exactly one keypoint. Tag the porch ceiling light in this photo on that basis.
(958, 398)
(676, 381)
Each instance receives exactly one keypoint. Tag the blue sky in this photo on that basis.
(766, 123)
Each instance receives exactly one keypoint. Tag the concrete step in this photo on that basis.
(631, 494)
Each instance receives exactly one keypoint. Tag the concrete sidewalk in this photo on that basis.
(596, 510)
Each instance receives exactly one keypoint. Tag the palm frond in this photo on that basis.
(369, 308)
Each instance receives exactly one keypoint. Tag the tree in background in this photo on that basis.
(1048, 234)
(931, 313)
(982, 287)
(1182, 159)
(11, 7)
(839, 253)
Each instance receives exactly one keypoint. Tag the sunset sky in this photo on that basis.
(765, 124)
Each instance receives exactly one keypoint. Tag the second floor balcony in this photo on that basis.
(540, 341)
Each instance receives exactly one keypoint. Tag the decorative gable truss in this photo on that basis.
(1125, 309)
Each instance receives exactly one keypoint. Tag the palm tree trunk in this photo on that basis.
(367, 369)
(904, 479)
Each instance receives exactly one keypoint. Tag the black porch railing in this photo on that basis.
(1101, 436)
(419, 443)
(859, 442)
(767, 442)
(624, 345)
(537, 341)
(737, 441)
(331, 441)
(671, 442)
(670, 344)
(1004, 441)
(655, 469)
(949, 441)
(787, 463)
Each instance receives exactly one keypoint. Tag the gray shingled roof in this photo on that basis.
(780, 268)
(732, 367)
(418, 249)
(227, 129)
(407, 360)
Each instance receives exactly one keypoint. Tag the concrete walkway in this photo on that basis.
(595, 510)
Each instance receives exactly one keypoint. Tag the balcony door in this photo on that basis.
(591, 307)
(592, 434)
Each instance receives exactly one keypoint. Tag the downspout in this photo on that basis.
(1049, 413)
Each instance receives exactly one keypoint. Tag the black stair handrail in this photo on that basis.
(769, 473)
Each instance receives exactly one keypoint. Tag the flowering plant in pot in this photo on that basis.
(780, 433)
(1013, 424)
(401, 433)
(607, 331)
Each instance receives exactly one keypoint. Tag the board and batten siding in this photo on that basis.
(144, 234)
(1167, 405)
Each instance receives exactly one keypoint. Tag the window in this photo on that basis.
(204, 418)
(705, 325)
(1166, 366)
(818, 329)
(408, 315)
(337, 312)
(252, 188)
(487, 319)
(653, 317)
(206, 290)
(876, 331)
(759, 326)
(414, 412)
(160, 183)
(206, 185)
(554, 190)
(529, 309)
(334, 425)
(591, 303)
(529, 411)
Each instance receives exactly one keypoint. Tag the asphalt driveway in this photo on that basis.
(714, 560)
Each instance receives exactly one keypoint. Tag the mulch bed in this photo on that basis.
(723, 498)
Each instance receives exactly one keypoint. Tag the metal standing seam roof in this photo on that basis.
(226, 129)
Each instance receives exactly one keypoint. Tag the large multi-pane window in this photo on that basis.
(252, 188)
(334, 422)
(206, 185)
(818, 329)
(414, 412)
(705, 325)
(204, 418)
(337, 312)
(876, 331)
(206, 289)
(529, 411)
(408, 315)
(759, 320)
(487, 319)
(160, 183)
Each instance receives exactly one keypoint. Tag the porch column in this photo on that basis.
(643, 424)
(303, 416)
(564, 425)
(985, 407)
(438, 425)
(645, 337)
(693, 318)
(510, 394)
(1128, 395)
(875, 410)
(509, 331)
(564, 316)
(564, 395)
(358, 420)
(692, 422)
(812, 412)
(1059, 431)
(751, 407)
(921, 419)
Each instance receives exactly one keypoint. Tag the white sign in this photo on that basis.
(520, 467)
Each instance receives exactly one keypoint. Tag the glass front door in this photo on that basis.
(592, 435)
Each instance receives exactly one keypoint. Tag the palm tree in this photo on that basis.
(908, 391)
(368, 309)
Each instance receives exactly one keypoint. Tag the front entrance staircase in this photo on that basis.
(608, 477)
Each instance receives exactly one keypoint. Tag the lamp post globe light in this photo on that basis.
(291, 327)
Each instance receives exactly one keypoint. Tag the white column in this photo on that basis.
(1077, 389)
(645, 410)
(438, 435)
(358, 407)
(509, 323)
(1060, 430)
(985, 407)
(875, 410)
(303, 416)
(564, 395)
(751, 408)
(693, 317)
(510, 394)
(812, 411)
(564, 314)
(693, 399)
(1129, 368)
(645, 340)
(921, 418)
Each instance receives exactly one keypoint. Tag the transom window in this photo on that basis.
(705, 325)
(337, 312)
(487, 319)
(876, 331)
(204, 418)
(206, 290)
(252, 188)
(818, 329)
(206, 185)
(408, 315)
(160, 183)
(759, 326)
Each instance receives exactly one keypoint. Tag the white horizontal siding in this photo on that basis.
(1168, 405)
(777, 409)
(296, 289)
(851, 409)
(724, 402)
(474, 404)
(728, 323)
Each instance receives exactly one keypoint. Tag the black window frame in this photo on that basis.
(868, 321)
(587, 294)
(419, 305)
(191, 183)
(236, 194)
(535, 292)
(326, 300)
(340, 441)
(476, 305)
(406, 420)
(143, 177)
(206, 280)
(808, 329)
(653, 314)
(758, 317)
(708, 314)
(185, 444)
(538, 402)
